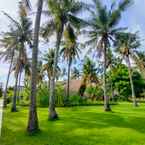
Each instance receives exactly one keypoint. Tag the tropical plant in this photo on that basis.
(89, 74)
(70, 51)
(126, 44)
(103, 28)
(33, 119)
(48, 66)
(10, 44)
(62, 13)
(22, 33)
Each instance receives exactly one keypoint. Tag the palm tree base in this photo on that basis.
(135, 104)
(33, 125)
(53, 115)
(33, 131)
(107, 108)
(13, 109)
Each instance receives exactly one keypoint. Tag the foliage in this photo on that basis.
(94, 92)
(59, 100)
(121, 83)
(139, 84)
(43, 95)
(10, 93)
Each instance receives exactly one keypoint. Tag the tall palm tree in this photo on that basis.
(103, 27)
(70, 51)
(33, 118)
(22, 32)
(62, 12)
(127, 43)
(10, 47)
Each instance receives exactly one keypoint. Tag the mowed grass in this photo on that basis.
(78, 126)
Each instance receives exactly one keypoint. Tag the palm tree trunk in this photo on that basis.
(112, 91)
(14, 101)
(131, 83)
(33, 118)
(52, 112)
(19, 84)
(68, 84)
(8, 77)
(48, 83)
(106, 98)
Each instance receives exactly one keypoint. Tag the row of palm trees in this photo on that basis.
(64, 23)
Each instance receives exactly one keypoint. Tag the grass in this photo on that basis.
(78, 126)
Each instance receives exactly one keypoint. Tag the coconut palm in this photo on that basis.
(48, 66)
(103, 27)
(22, 35)
(70, 51)
(33, 119)
(10, 47)
(89, 75)
(62, 13)
(127, 43)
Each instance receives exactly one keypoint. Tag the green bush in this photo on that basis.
(94, 92)
(75, 99)
(60, 93)
(43, 96)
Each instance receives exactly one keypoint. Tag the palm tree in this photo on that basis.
(10, 45)
(48, 66)
(22, 34)
(70, 51)
(89, 74)
(62, 12)
(33, 118)
(111, 63)
(102, 30)
(127, 43)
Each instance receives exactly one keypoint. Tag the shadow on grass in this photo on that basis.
(76, 126)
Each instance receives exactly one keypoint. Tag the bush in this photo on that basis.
(43, 96)
(94, 92)
(75, 99)
(60, 93)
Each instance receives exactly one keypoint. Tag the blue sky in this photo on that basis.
(134, 18)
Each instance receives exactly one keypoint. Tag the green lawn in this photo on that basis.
(79, 126)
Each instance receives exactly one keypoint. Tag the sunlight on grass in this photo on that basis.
(79, 126)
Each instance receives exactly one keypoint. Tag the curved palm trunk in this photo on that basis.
(33, 118)
(131, 83)
(66, 101)
(14, 101)
(106, 98)
(52, 112)
(8, 77)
